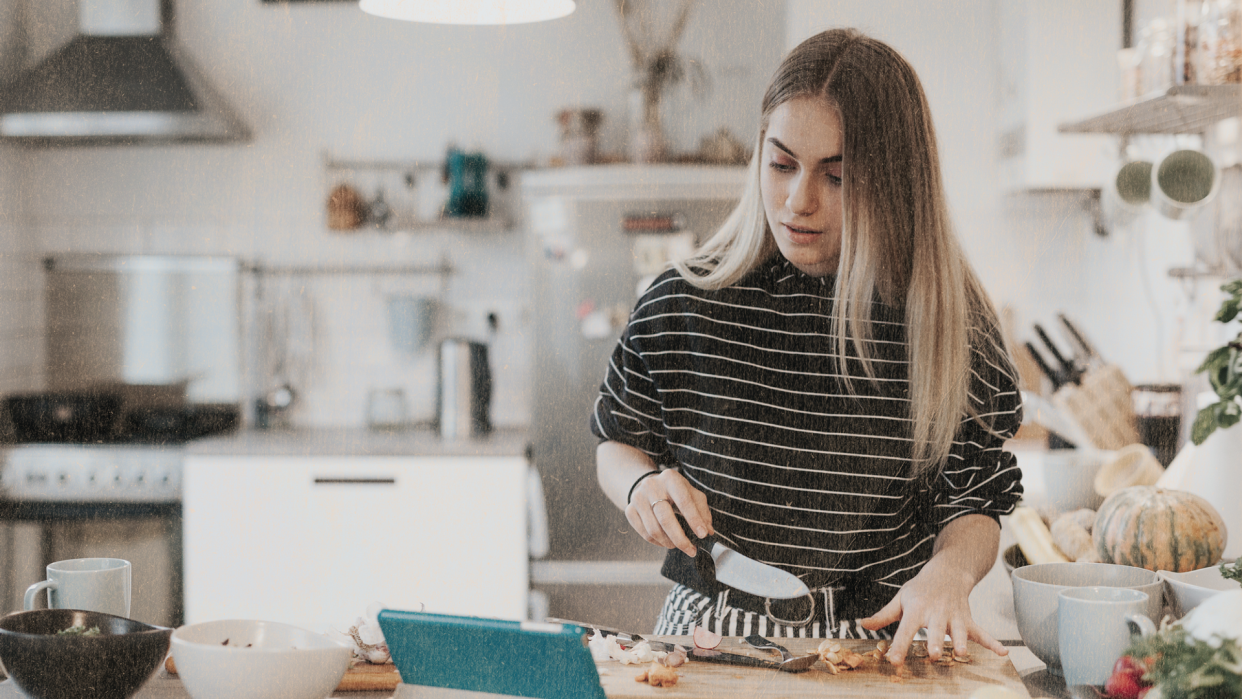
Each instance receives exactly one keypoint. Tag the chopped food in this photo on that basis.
(641, 676)
(661, 676)
(170, 665)
(705, 639)
(79, 630)
(675, 659)
(852, 659)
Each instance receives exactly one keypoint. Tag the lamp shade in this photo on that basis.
(469, 11)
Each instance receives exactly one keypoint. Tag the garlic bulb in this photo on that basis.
(366, 637)
(1216, 618)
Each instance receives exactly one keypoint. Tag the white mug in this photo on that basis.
(1095, 627)
(88, 584)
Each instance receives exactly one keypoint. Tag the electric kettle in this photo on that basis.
(464, 391)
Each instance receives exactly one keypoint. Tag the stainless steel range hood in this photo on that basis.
(121, 80)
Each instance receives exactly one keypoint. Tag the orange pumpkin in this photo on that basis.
(1159, 529)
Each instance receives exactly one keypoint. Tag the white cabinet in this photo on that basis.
(312, 540)
(1058, 62)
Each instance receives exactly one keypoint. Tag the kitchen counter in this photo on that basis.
(360, 441)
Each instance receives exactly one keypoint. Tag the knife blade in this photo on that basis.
(702, 655)
(747, 574)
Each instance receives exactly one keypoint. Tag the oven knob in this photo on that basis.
(64, 479)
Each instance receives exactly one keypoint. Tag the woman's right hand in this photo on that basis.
(655, 504)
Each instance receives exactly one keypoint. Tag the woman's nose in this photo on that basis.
(801, 199)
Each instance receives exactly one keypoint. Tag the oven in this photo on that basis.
(61, 501)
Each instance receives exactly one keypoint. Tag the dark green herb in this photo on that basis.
(1186, 668)
(79, 630)
(1223, 367)
(1233, 572)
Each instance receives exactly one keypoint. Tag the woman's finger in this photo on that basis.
(666, 514)
(935, 637)
(985, 639)
(902, 639)
(652, 525)
(689, 501)
(959, 630)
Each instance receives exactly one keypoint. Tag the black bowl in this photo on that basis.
(112, 665)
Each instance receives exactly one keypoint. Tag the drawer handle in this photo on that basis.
(355, 481)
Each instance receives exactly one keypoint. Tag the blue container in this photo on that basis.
(467, 175)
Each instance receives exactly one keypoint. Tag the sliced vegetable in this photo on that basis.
(705, 639)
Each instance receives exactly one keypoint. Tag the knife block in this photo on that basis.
(1102, 406)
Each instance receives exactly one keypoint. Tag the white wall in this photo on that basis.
(1037, 254)
(20, 281)
(322, 77)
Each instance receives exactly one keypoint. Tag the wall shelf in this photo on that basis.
(1182, 109)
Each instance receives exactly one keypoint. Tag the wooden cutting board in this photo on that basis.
(365, 677)
(874, 680)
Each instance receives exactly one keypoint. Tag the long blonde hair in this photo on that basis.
(897, 238)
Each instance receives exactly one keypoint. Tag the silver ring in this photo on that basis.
(657, 502)
(767, 607)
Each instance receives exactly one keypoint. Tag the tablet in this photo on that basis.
(524, 659)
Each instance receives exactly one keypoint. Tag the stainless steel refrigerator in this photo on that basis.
(595, 237)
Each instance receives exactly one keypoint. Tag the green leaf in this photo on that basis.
(1205, 425)
(1228, 418)
(1232, 287)
(1216, 357)
(1228, 310)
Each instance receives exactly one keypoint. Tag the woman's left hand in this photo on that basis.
(938, 598)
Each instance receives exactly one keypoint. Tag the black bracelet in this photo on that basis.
(640, 480)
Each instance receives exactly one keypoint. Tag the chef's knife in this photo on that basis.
(692, 653)
(1052, 375)
(746, 574)
(1078, 338)
(1070, 372)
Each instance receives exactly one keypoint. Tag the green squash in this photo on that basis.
(1159, 529)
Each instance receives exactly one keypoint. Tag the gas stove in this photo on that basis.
(91, 473)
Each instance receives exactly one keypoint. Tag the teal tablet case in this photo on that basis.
(547, 661)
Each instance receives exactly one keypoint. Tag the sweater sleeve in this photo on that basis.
(628, 409)
(979, 476)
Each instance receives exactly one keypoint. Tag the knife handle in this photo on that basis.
(704, 543)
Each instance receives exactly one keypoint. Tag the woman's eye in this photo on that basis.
(780, 167)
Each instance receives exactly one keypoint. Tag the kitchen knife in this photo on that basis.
(746, 574)
(1078, 338)
(1071, 372)
(692, 653)
(1052, 375)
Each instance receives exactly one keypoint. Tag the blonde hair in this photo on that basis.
(897, 240)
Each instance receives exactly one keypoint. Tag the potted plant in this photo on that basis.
(1223, 367)
(657, 66)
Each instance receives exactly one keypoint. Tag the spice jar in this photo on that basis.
(1156, 50)
(1219, 51)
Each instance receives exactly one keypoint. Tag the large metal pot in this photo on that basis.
(464, 392)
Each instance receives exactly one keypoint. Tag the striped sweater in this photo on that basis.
(740, 389)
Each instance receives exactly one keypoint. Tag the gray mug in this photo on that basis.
(88, 584)
(1095, 627)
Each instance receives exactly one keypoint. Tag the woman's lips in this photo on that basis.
(800, 235)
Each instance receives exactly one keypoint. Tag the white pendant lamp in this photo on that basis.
(469, 11)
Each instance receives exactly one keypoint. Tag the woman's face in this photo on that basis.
(801, 183)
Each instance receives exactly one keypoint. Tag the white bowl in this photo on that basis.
(1035, 603)
(1188, 590)
(262, 660)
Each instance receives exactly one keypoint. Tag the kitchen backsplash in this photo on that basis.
(333, 294)
(21, 290)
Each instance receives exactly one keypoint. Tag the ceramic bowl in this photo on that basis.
(1035, 589)
(241, 659)
(48, 665)
(1188, 590)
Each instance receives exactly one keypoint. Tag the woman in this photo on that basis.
(823, 385)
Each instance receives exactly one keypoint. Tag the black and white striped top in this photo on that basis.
(741, 390)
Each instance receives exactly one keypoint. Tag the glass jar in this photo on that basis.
(1219, 54)
(1156, 48)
